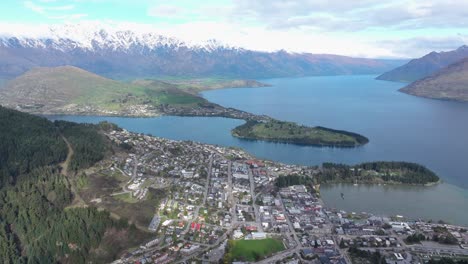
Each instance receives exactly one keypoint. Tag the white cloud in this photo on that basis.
(423, 45)
(353, 15)
(36, 8)
(360, 28)
(165, 11)
(61, 8)
(57, 12)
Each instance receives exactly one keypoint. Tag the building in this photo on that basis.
(258, 235)
(153, 226)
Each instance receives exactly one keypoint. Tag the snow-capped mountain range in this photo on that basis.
(88, 37)
(118, 52)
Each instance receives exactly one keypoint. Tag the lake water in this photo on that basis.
(399, 126)
(440, 202)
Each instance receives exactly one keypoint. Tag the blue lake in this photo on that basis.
(399, 126)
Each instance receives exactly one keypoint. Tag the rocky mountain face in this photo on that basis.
(127, 54)
(425, 66)
(450, 83)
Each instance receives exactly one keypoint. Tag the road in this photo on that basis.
(291, 227)
(196, 210)
(231, 200)
(207, 185)
(280, 256)
(258, 219)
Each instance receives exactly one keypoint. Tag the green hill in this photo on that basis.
(71, 90)
(289, 132)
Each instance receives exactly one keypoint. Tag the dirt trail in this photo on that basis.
(77, 200)
(66, 163)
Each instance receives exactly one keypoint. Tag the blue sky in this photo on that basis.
(365, 28)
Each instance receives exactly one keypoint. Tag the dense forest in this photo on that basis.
(88, 144)
(27, 142)
(36, 227)
(290, 180)
(377, 172)
(36, 224)
(447, 261)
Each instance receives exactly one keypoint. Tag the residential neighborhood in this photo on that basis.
(216, 197)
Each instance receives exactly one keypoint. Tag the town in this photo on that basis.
(222, 205)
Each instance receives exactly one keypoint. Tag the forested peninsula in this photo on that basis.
(289, 132)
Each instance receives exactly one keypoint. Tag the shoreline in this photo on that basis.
(296, 143)
(355, 197)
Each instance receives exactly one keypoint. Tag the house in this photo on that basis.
(307, 253)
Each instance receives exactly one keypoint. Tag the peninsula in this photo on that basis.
(289, 132)
(114, 195)
(73, 91)
(378, 172)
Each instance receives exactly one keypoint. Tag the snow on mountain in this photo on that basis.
(132, 51)
(94, 37)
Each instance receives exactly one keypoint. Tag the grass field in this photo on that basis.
(253, 250)
(203, 84)
(126, 197)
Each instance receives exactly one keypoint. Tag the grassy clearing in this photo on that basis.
(253, 250)
(210, 83)
(126, 197)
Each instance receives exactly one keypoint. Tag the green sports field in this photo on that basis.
(253, 250)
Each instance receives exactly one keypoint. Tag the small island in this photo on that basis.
(289, 132)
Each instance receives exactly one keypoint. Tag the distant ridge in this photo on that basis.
(449, 83)
(124, 54)
(424, 66)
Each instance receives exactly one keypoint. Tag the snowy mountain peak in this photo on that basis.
(93, 37)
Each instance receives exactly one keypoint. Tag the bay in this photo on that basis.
(439, 202)
(400, 127)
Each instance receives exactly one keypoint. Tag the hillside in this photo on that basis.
(71, 90)
(37, 193)
(133, 55)
(27, 143)
(424, 66)
(450, 83)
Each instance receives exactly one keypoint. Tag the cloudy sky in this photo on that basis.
(364, 28)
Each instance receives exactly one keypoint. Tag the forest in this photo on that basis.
(36, 223)
(88, 143)
(377, 172)
(27, 142)
(290, 180)
(289, 132)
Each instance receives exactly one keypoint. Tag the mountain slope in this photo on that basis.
(69, 89)
(449, 83)
(424, 66)
(36, 195)
(129, 55)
